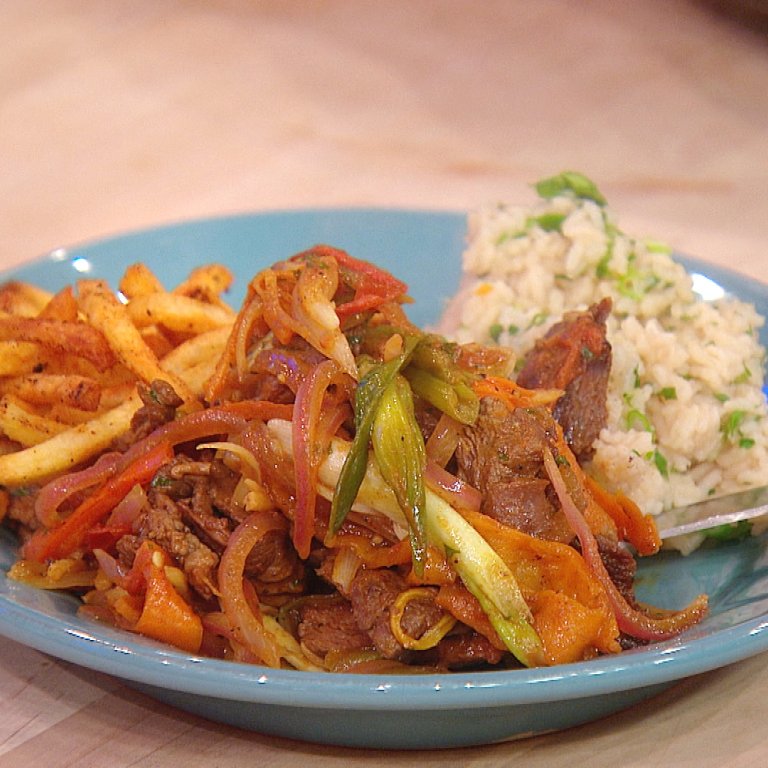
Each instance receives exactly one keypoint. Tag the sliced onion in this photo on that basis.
(310, 445)
(57, 491)
(452, 489)
(244, 616)
(345, 567)
(129, 507)
(630, 621)
(109, 566)
(443, 440)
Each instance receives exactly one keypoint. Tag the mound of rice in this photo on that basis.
(687, 415)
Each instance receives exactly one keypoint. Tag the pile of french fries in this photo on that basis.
(70, 362)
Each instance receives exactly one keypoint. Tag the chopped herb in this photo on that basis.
(495, 331)
(638, 417)
(587, 353)
(601, 270)
(722, 397)
(732, 424)
(562, 461)
(513, 329)
(503, 456)
(743, 377)
(549, 222)
(654, 246)
(746, 442)
(668, 393)
(661, 464)
(730, 532)
(636, 381)
(570, 182)
(538, 319)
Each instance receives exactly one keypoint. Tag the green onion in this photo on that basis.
(368, 394)
(495, 331)
(398, 447)
(668, 393)
(487, 577)
(457, 400)
(570, 182)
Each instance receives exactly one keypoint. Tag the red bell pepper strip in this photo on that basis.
(62, 540)
(372, 285)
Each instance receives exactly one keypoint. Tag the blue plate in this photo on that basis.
(386, 711)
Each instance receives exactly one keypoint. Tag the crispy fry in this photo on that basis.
(59, 336)
(45, 389)
(62, 306)
(22, 299)
(202, 348)
(109, 316)
(157, 341)
(178, 313)
(20, 357)
(139, 280)
(206, 284)
(67, 449)
(23, 426)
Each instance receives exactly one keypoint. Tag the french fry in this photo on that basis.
(62, 306)
(157, 341)
(46, 389)
(202, 348)
(20, 357)
(206, 284)
(61, 337)
(178, 313)
(69, 416)
(67, 449)
(22, 299)
(139, 280)
(109, 316)
(23, 426)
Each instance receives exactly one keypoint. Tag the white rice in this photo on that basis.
(687, 414)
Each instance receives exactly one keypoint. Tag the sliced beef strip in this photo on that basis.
(372, 594)
(163, 524)
(467, 649)
(159, 404)
(575, 356)
(329, 624)
(501, 455)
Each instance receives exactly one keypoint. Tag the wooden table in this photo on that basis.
(127, 114)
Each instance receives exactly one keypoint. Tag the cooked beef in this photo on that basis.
(372, 594)
(208, 511)
(621, 566)
(468, 649)
(501, 455)
(328, 624)
(21, 514)
(163, 524)
(160, 402)
(575, 356)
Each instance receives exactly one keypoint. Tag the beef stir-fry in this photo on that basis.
(351, 493)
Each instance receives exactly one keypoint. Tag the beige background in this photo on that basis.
(117, 115)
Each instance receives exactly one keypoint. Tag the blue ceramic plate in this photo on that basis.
(378, 711)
